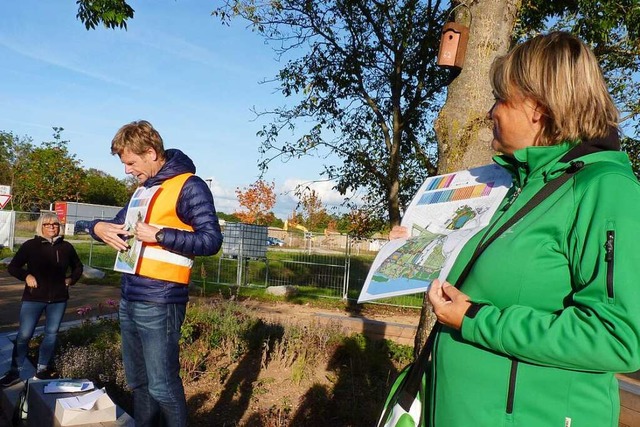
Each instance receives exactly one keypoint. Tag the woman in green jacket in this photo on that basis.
(551, 309)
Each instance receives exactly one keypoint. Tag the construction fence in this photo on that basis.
(326, 265)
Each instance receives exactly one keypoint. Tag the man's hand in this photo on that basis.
(145, 232)
(449, 304)
(112, 234)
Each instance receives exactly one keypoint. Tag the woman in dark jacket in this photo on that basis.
(52, 265)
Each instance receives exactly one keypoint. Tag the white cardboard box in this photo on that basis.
(103, 410)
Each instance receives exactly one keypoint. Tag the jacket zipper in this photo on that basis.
(512, 386)
(609, 255)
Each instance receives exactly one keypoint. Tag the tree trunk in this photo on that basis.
(464, 133)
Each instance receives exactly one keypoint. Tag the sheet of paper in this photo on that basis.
(127, 262)
(68, 386)
(83, 402)
(444, 214)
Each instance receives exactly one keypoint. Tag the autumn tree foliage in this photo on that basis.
(258, 199)
(314, 213)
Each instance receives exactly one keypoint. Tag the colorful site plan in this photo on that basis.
(444, 214)
(127, 261)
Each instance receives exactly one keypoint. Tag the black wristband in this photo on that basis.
(473, 309)
(160, 236)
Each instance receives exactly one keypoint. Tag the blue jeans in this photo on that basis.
(30, 313)
(150, 353)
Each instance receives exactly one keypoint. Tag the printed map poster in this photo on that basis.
(127, 261)
(446, 211)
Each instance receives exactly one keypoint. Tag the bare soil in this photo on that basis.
(334, 390)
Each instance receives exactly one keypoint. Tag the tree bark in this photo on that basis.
(463, 129)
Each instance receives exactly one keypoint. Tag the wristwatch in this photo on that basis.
(160, 236)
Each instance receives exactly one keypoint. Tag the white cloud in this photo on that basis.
(286, 198)
(225, 199)
(329, 196)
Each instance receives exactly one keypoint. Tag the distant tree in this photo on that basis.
(103, 189)
(13, 151)
(276, 222)
(362, 224)
(228, 217)
(48, 173)
(332, 225)
(314, 214)
(258, 200)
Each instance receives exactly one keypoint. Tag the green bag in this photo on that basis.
(404, 406)
(408, 398)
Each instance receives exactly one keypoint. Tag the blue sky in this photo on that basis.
(194, 79)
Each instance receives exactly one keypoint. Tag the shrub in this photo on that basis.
(221, 339)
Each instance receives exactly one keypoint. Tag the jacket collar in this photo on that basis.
(549, 161)
(53, 241)
(176, 164)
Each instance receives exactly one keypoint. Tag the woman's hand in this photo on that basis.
(398, 232)
(449, 304)
(31, 281)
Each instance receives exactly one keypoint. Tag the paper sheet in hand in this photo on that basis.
(137, 210)
(444, 214)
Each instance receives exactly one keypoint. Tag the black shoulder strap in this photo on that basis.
(544, 192)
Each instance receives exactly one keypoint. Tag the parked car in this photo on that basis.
(272, 241)
(81, 227)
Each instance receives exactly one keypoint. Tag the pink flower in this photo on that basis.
(83, 311)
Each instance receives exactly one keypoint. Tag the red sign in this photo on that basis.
(4, 199)
(61, 211)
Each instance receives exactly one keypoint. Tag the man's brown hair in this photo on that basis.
(138, 137)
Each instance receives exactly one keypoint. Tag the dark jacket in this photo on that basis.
(562, 296)
(194, 207)
(49, 263)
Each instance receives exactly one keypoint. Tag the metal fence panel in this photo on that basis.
(326, 265)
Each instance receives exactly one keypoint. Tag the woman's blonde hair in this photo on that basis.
(562, 74)
(48, 217)
(138, 137)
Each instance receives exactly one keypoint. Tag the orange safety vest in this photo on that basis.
(155, 261)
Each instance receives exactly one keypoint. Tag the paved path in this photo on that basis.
(81, 295)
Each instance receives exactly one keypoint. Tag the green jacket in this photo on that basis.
(562, 295)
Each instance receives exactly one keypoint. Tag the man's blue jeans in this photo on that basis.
(150, 352)
(30, 312)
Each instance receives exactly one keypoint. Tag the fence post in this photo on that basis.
(347, 268)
